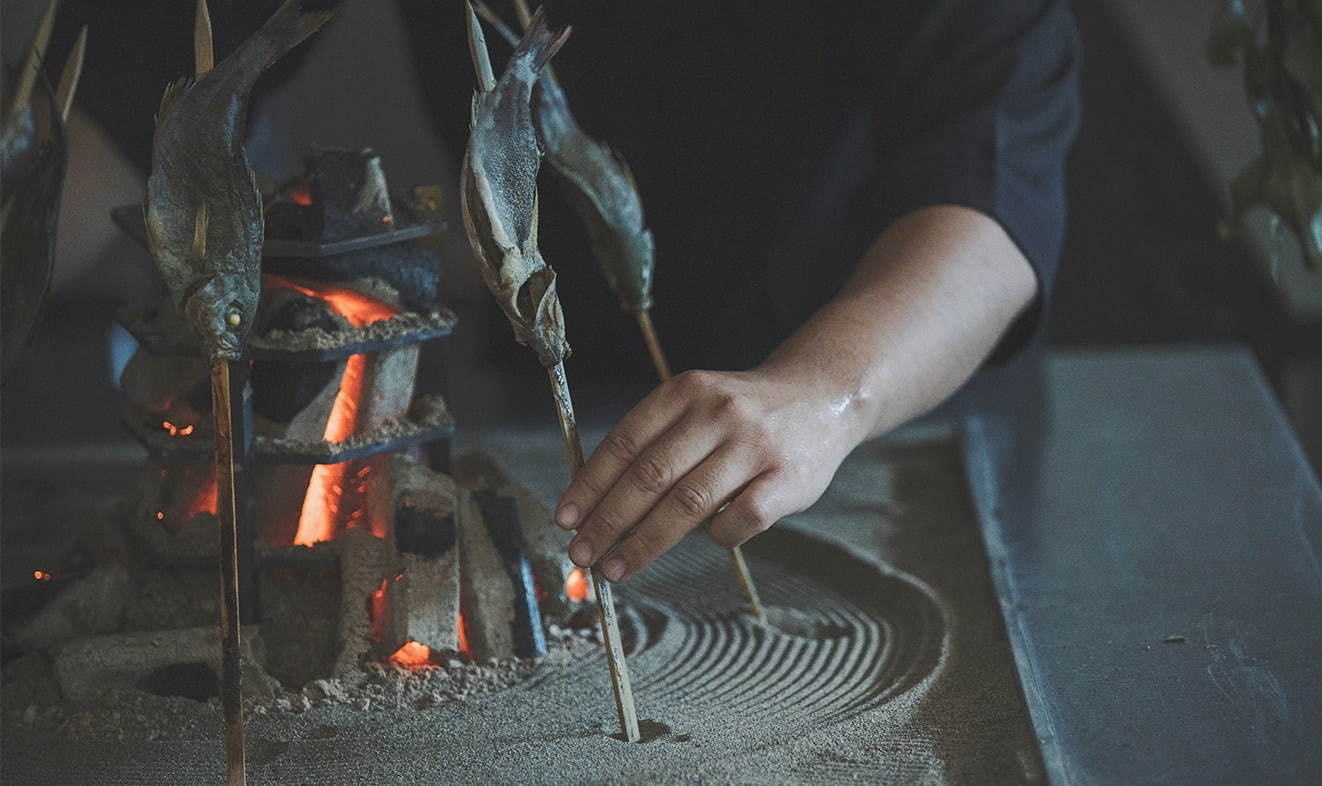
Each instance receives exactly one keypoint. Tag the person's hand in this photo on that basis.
(763, 442)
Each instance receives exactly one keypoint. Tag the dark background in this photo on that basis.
(1142, 263)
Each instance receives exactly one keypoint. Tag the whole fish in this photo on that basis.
(599, 185)
(203, 207)
(499, 194)
(33, 160)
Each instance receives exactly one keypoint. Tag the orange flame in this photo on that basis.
(321, 505)
(412, 655)
(206, 499)
(40, 575)
(576, 586)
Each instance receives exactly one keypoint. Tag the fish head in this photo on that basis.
(221, 311)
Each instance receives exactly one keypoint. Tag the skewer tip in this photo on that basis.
(73, 71)
(204, 54)
(477, 47)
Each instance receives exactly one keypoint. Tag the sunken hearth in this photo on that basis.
(358, 548)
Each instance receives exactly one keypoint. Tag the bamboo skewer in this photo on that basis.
(73, 71)
(227, 512)
(659, 361)
(737, 560)
(495, 211)
(27, 78)
(610, 624)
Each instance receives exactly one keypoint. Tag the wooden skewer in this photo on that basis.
(204, 53)
(27, 78)
(610, 624)
(653, 344)
(231, 688)
(73, 71)
(737, 553)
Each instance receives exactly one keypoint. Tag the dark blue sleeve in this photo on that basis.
(980, 111)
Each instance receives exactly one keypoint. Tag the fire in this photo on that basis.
(576, 586)
(299, 194)
(206, 499)
(412, 655)
(40, 575)
(462, 628)
(176, 431)
(322, 505)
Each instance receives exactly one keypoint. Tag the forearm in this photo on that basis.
(923, 308)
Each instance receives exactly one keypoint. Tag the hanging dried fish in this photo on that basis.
(203, 209)
(205, 231)
(499, 200)
(35, 156)
(599, 185)
(499, 188)
(601, 189)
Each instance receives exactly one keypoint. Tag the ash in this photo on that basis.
(31, 697)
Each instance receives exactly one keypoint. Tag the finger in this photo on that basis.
(754, 510)
(694, 499)
(635, 432)
(642, 485)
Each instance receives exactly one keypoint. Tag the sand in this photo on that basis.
(919, 687)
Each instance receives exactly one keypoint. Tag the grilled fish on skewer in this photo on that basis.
(599, 185)
(499, 198)
(34, 158)
(201, 178)
(499, 189)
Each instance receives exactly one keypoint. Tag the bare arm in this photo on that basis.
(924, 307)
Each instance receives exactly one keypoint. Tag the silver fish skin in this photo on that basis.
(599, 186)
(203, 207)
(499, 198)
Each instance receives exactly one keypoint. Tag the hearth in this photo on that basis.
(357, 546)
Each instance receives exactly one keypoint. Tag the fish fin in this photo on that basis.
(477, 49)
(73, 70)
(540, 40)
(493, 19)
(172, 91)
(200, 223)
(624, 168)
(289, 26)
(521, 10)
(27, 78)
(204, 52)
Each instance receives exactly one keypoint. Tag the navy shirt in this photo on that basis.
(772, 142)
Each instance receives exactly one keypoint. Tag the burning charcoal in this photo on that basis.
(172, 394)
(284, 392)
(173, 662)
(420, 602)
(365, 565)
(500, 597)
(93, 604)
(544, 543)
(388, 383)
(350, 189)
(174, 516)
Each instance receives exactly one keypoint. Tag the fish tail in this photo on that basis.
(540, 42)
(288, 27)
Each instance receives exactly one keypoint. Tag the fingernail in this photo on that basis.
(567, 515)
(614, 569)
(581, 554)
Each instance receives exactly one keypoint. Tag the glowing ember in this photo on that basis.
(160, 515)
(176, 431)
(299, 194)
(41, 575)
(462, 628)
(322, 505)
(412, 655)
(205, 501)
(576, 586)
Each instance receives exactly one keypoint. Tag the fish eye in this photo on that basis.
(234, 318)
